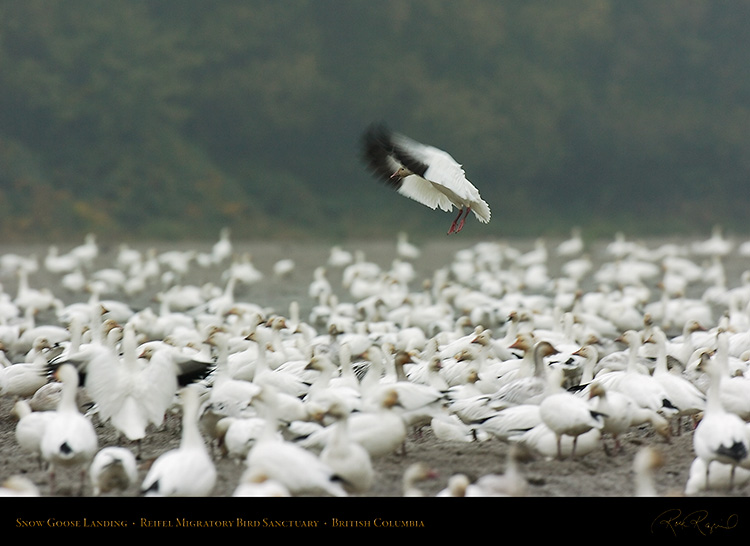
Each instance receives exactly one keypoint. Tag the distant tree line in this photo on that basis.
(173, 118)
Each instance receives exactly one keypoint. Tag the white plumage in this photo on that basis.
(720, 436)
(188, 470)
(69, 439)
(113, 469)
(423, 173)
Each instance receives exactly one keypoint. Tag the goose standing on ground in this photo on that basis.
(528, 390)
(348, 459)
(113, 468)
(567, 414)
(688, 399)
(423, 173)
(299, 470)
(644, 463)
(30, 427)
(415, 473)
(720, 436)
(69, 438)
(188, 470)
(129, 391)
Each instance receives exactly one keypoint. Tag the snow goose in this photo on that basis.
(509, 484)
(130, 391)
(415, 473)
(348, 459)
(259, 485)
(378, 427)
(418, 403)
(715, 245)
(643, 388)
(338, 257)
(19, 486)
(23, 379)
(618, 412)
(327, 389)
(406, 249)
(223, 248)
(686, 397)
(735, 387)
(572, 246)
(529, 390)
(423, 173)
(512, 422)
(237, 435)
(567, 414)
(722, 475)
(87, 251)
(69, 439)
(542, 440)
(188, 470)
(720, 436)
(114, 468)
(458, 485)
(30, 427)
(645, 462)
(299, 470)
(57, 263)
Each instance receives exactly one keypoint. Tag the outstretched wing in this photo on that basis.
(385, 152)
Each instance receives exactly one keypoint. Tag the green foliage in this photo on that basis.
(167, 118)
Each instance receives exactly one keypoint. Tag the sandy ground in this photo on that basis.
(595, 474)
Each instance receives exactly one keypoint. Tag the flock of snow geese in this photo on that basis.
(490, 347)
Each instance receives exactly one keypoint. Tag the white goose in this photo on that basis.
(299, 470)
(528, 390)
(186, 471)
(415, 473)
(69, 438)
(30, 427)
(114, 468)
(23, 379)
(130, 391)
(720, 436)
(348, 459)
(722, 475)
(643, 388)
(567, 414)
(645, 462)
(686, 397)
(618, 410)
(423, 173)
(379, 427)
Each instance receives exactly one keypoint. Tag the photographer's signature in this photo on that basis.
(698, 520)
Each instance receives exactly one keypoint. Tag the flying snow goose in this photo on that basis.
(69, 439)
(423, 173)
(186, 471)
